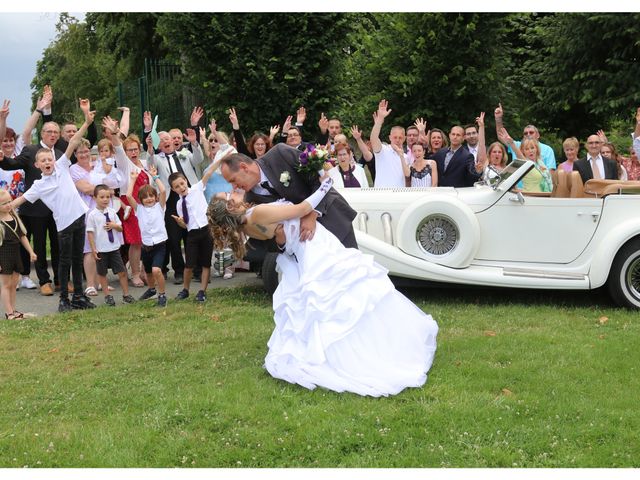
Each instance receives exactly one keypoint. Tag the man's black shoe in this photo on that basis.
(64, 305)
(81, 302)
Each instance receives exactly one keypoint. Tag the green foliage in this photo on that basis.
(265, 65)
(582, 70)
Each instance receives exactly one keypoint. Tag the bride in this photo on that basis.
(339, 322)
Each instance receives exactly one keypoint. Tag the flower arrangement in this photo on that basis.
(314, 159)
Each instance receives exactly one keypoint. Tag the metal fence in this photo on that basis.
(161, 90)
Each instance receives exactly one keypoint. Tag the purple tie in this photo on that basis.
(185, 212)
(109, 232)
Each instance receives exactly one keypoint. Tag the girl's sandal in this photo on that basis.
(17, 315)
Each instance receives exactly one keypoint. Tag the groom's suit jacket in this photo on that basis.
(336, 214)
(461, 171)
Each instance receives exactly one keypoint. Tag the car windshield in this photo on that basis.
(508, 171)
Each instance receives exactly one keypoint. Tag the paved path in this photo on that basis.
(31, 300)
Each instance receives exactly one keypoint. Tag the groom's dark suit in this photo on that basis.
(336, 214)
(584, 167)
(461, 171)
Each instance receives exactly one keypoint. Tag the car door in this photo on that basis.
(537, 229)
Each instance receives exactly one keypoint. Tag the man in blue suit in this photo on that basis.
(456, 165)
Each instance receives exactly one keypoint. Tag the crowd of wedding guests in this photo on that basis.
(107, 198)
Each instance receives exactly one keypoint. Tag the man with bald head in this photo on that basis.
(595, 165)
(456, 165)
(390, 160)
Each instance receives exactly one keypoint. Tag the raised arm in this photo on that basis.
(405, 168)
(498, 114)
(636, 132)
(125, 120)
(482, 160)
(75, 140)
(378, 120)
(266, 214)
(112, 130)
(4, 113)
(357, 134)
(505, 138)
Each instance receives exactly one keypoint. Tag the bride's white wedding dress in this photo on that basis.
(340, 323)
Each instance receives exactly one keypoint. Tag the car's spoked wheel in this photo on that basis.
(438, 235)
(624, 278)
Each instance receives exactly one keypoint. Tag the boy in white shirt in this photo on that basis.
(58, 192)
(104, 230)
(192, 215)
(150, 208)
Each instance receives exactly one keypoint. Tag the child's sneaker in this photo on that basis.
(109, 300)
(150, 293)
(128, 299)
(182, 294)
(162, 300)
(200, 296)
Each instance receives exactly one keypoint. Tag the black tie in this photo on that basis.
(178, 166)
(270, 189)
(185, 211)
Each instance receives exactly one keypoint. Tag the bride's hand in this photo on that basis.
(308, 226)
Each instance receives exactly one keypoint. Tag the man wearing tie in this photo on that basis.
(167, 161)
(456, 165)
(275, 176)
(595, 165)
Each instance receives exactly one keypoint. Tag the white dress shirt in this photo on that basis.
(151, 222)
(96, 222)
(58, 192)
(598, 162)
(196, 207)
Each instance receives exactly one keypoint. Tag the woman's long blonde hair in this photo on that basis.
(226, 228)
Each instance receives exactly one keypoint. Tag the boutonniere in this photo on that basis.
(182, 154)
(284, 178)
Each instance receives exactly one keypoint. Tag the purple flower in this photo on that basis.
(310, 147)
(303, 158)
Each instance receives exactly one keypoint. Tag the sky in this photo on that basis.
(24, 38)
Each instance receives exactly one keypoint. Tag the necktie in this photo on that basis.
(595, 169)
(109, 232)
(178, 167)
(270, 189)
(447, 159)
(185, 212)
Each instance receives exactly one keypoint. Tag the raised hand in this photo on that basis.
(213, 126)
(504, 136)
(233, 118)
(110, 125)
(45, 100)
(48, 93)
(355, 132)
(4, 111)
(498, 112)
(190, 136)
(273, 131)
(147, 121)
(124, 109)
(203, 134)
(383, 110)
(149, 142)
(287, 124)
(421, 125)
(301, 115)
(480, 120)
(323, 123)
(196, 115)
(602, 136)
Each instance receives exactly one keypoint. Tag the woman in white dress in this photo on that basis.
(339, 322)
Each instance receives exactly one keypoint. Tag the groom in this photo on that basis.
(275, 176)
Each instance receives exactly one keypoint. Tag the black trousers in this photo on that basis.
(38, 228)
(177, 236)
(71, 241)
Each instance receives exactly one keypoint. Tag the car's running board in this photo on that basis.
(525, 272)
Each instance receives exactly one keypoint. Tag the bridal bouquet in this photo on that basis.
(314, 160)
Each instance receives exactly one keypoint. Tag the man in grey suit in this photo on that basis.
(595, 165)
(275, 176)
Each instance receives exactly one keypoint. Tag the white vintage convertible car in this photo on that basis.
(579, 237)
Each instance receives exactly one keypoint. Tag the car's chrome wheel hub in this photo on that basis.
(633, 277)
(437, 235)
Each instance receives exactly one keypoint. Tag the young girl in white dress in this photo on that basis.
(339, 322)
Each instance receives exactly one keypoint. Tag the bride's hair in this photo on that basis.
(226, 227)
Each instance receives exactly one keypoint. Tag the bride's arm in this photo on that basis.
(266, 213)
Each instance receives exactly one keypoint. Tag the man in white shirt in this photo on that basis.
(595, 165)
(471, 138)
(389, 168)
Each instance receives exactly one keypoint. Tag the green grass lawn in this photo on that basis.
(526, 379)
